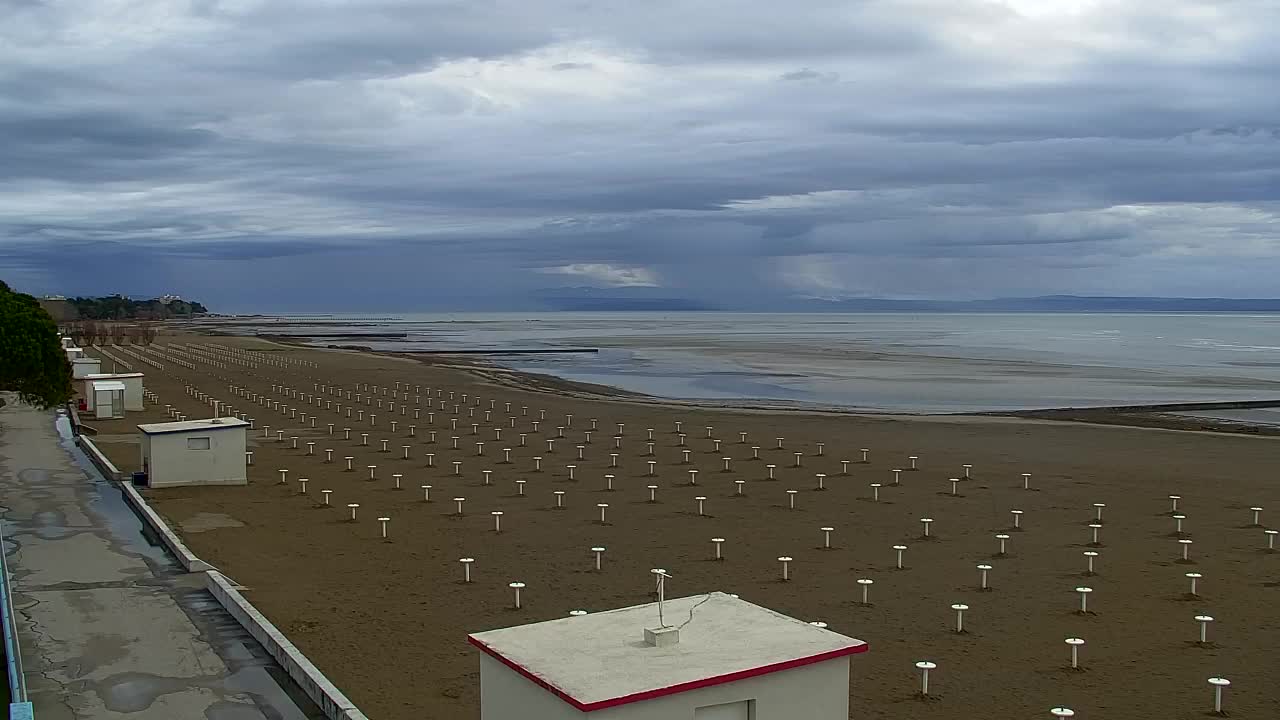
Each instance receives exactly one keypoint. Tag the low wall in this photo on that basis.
(158, 525)
(317, 687)
(323, 693)
(98, 459)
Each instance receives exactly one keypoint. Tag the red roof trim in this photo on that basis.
(673, 689)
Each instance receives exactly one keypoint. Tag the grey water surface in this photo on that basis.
(946, 362)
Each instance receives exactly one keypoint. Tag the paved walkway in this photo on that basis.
(110, 626)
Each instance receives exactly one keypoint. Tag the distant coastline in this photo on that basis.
(604, 300)
(119, 307)
(611, 301)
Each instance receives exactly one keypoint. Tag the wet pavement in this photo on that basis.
(110, 625)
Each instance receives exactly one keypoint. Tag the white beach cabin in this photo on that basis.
(73, 353)
(108, 398)
(132, 389)
(83, 367)
(66, 341)
(195, 452)
(731, 660)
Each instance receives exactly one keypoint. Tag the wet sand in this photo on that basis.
(387, 620)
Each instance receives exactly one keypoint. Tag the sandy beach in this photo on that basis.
(387, 620)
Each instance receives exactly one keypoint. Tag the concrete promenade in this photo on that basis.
(110, 626)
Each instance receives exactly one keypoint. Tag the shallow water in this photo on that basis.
(914, 363)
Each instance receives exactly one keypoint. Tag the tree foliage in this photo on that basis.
(118, 307)
(32, 361)
(92, 332)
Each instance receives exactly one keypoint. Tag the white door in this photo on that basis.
(102, 404)
(725, 711)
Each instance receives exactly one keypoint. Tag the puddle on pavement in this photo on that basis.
(252, 669)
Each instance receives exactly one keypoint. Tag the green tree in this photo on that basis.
(32, 361)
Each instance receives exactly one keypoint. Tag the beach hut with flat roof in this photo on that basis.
(83, 367)
(132, 389)
(716, 658)
(108, 398)
(195, 452)
(73, 353)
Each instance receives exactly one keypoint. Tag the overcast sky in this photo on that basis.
(426, 154)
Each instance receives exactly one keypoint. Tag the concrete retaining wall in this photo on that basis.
(167, 536)
(99, 460)
(317, 687)
(323, 693)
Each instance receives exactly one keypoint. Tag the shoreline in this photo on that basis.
(1152, 417)
(354, 599)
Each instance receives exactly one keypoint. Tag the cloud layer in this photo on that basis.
(404, 155)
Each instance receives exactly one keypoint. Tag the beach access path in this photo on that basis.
(110, 626)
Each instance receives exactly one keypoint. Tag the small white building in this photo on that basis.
(107, 397)
(195, 452)
(83, 367)
(73, 353)
(67, 342)
(132, 389)
(731, 660)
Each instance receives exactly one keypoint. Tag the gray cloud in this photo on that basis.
(412, 153)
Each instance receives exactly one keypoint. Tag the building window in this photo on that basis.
(198, 443)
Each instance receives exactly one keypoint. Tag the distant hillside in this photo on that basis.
(119, 307)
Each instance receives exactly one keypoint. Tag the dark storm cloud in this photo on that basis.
(100, 130)
(413, 153)
(94, 146)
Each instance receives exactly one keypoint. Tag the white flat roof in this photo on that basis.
(107, 385)
(86, 359)
(108, 376)
(203, 425)
(600, 660)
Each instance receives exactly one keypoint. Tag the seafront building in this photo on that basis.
(194, 452)
(730, 660)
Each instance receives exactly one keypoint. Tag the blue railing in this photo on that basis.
(19, 707)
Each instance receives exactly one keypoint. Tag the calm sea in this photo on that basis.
(895, 362)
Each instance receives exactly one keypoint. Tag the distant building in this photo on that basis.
(59, 308)
(83, 367)
(166, 299)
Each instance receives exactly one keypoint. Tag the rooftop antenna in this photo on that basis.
(662, 598)
(664, 635)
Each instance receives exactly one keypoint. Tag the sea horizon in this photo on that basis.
(883, 362)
